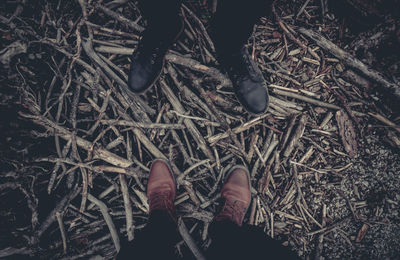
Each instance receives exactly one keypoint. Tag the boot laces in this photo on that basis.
(160, 200)
(233, 210)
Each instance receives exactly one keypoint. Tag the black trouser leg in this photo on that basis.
(155, 241)
(230, 241)
(163, 18)
(233, 23)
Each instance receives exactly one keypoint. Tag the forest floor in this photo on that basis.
(76, 146)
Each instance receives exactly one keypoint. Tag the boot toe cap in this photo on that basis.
(139, 79)
(253, 96)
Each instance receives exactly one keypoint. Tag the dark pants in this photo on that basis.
(229, 241)
(230, 28)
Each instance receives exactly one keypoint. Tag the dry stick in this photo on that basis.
(283, 76)
(121, 18)
(142, 125)
(57, 166)
(62, 230)
(305, 99)
(130, 157)
(128, 207)
(385, 121)
(191, 168)
(173, 73)
(197, 136)
(265, 147)
(296, 136)
(104, 211)
(189, 240)
(255, 121)
(288, 132)
(100, 153)
(320, 245)
(220, 118)
(201, 26)
(297, 41)
(332, 227)
(113, 66)
(197, 66)
(252, 145)
(9, 251)
(299, 192)
(75, 152)
(179, 142)
(102, 168)
(271, 147)
(302, 9)
(351, 61)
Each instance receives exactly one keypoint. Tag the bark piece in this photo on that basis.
(362, 233)
(347, 133)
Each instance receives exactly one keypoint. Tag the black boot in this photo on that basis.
(164, 26)
(248, 82)
(231, 28)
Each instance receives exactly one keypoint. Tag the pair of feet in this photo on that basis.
(161, 192)
(148, 59)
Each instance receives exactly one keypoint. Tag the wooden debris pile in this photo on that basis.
(105, 138)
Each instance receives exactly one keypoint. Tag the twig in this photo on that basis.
(120, 18)
(62, 230)
(296, 136)
(128, 207)
(142, 125)
(332, 227)
(104, 211)
(191, 168)
(305, 99)
(255, 121)
(201, 26)
(302, 8)
(385, 121)
(197, 66)
(197, 136)
(351, 61)
(189, 240)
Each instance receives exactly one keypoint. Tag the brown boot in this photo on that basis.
(237, 195)
(161, 188)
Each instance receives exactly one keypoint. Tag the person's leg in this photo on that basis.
(164, 25)
(161, 16)
(230, 30)
(233, 23)
(247, 242)
(157, 239)
(231, 240)
(225, 230)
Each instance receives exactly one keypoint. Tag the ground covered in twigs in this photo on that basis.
(76, 146)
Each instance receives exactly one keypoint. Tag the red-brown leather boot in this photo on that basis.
(237, 195)
(161, 188)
